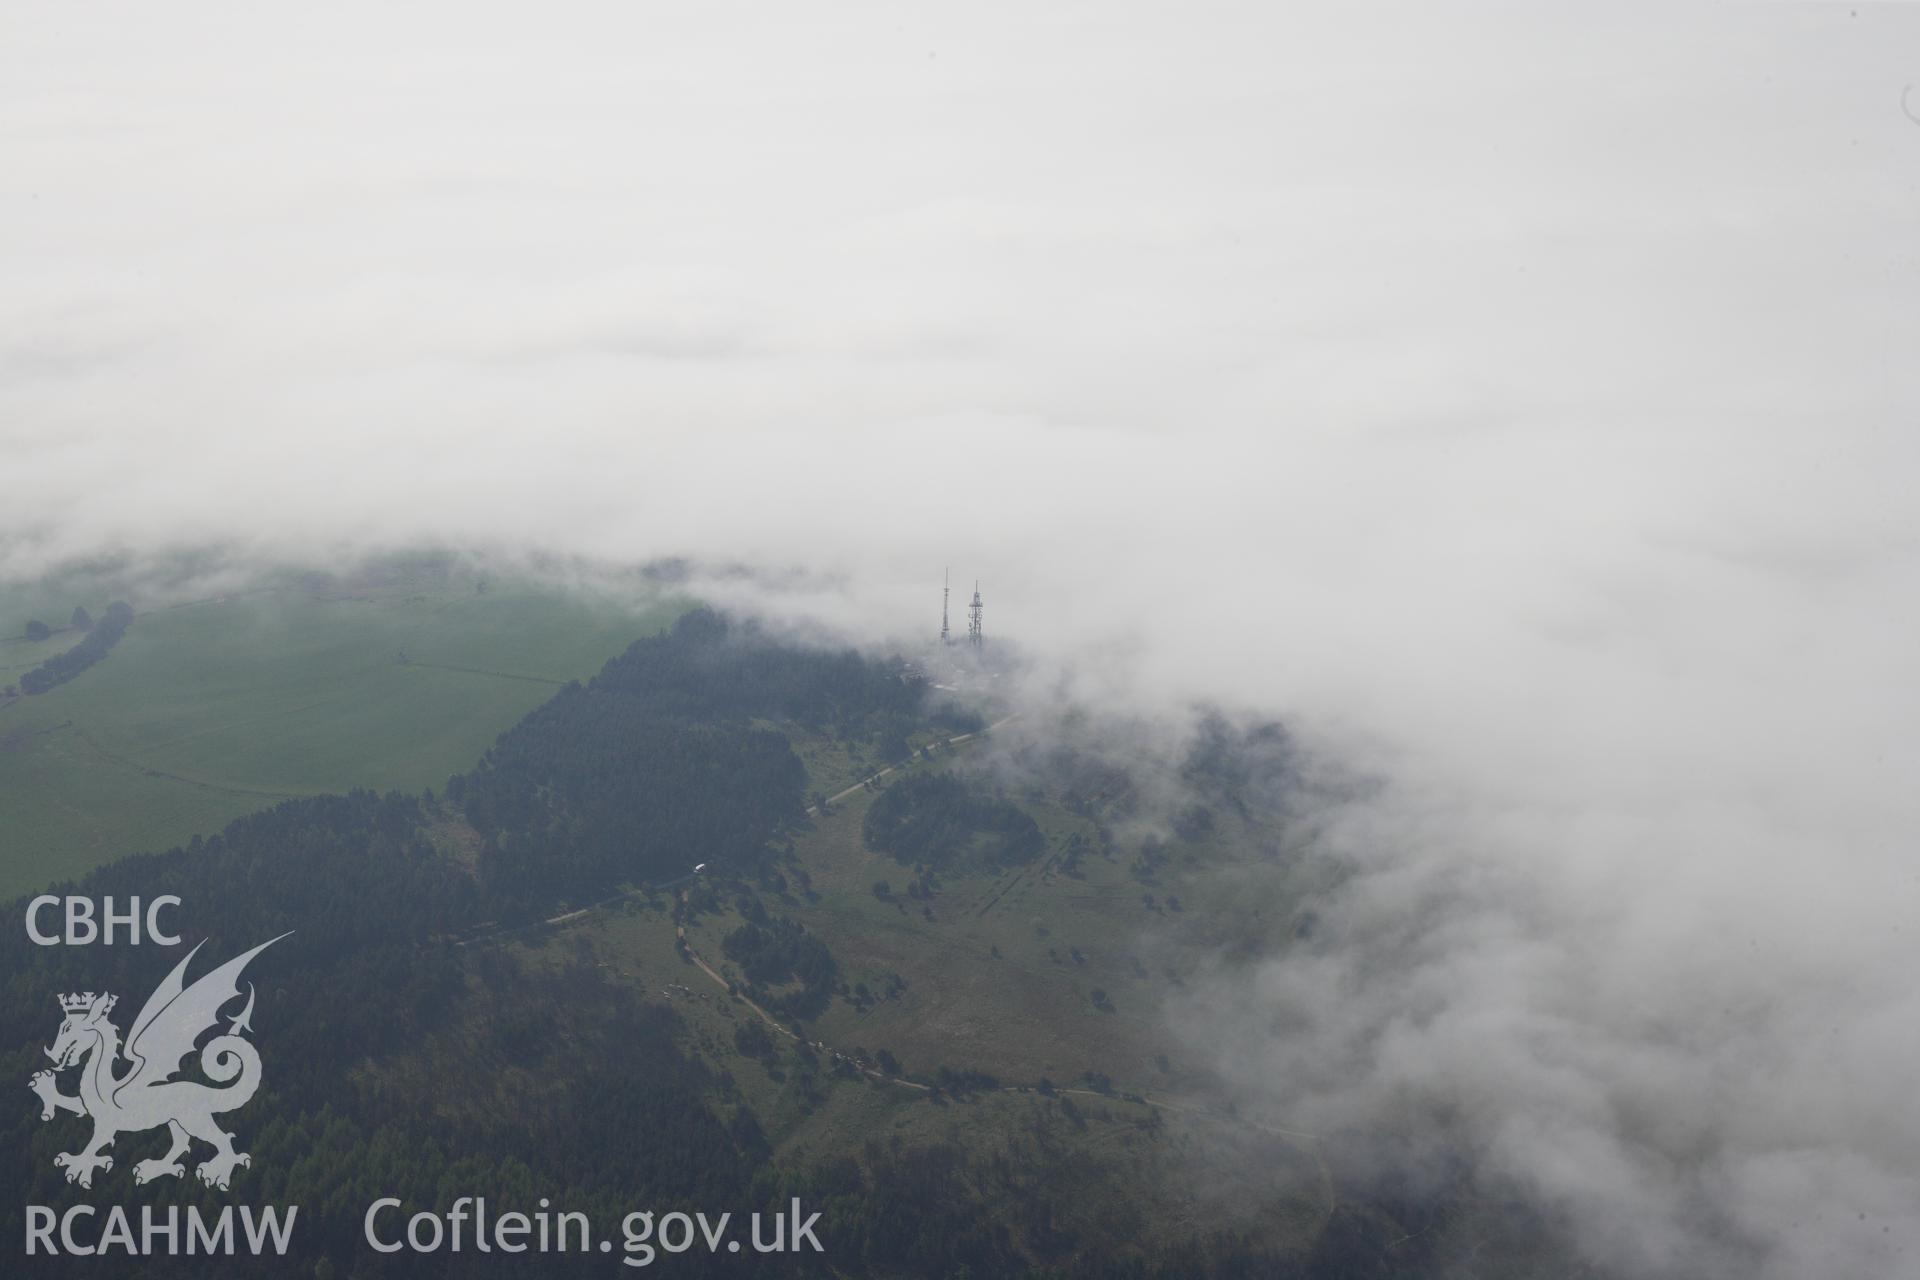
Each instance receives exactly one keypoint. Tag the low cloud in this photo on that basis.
(1518, 404)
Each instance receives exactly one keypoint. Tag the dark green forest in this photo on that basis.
(780, 951)
(935, 818)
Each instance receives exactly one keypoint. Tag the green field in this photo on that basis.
(210, 709)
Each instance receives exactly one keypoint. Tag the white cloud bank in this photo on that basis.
(1523, 400)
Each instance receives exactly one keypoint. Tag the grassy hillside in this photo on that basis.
(1054, 968)
(211, 709)
(1057, 970)
(1129, 1141)
(1111, 1167)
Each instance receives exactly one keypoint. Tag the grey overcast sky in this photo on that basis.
(1523, 400)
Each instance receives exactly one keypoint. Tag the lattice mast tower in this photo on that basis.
(974, 637)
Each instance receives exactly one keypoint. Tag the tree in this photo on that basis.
(932, 819)
(63, 667)
(82, 620)
(752, 1040)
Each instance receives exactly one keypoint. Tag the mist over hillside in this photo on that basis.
(1515, 406)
